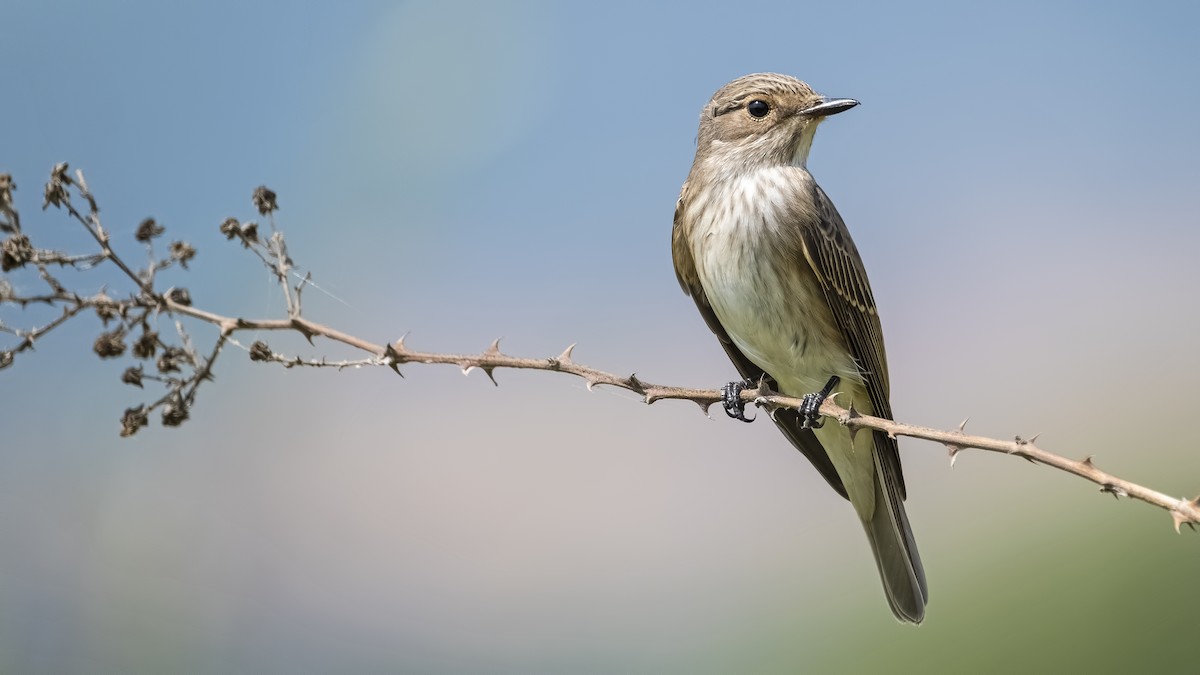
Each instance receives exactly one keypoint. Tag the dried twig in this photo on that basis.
(136, 312)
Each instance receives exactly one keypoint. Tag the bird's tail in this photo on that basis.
(895, 551)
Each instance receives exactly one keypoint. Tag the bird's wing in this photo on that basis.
(788, 420)
(838, 267)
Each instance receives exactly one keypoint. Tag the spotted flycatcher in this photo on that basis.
(772, 268)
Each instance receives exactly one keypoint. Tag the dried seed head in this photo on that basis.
(146, 346)
(175, 411)
(183, 252)
(56, 189)
(264, 200)
(15, 252)
(171, 359)
(134, 419)
(110, 344)
(259, 351)
(132, 376)
(148, 230)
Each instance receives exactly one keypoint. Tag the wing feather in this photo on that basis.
(839, 268)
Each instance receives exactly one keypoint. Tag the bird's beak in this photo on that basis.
(829, 106)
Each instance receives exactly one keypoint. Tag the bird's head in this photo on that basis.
(764, 119)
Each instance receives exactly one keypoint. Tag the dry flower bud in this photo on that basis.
(183, 252)
(132, 376)
(110, 344)
(148, 230)
(264, 200)
(175, 411)
(146, 346)
(134, 419)
(259, 351)
(56, 189)
(15, 252)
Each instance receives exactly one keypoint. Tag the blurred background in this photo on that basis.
(1020, 179)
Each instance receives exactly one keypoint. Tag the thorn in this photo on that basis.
(851, 414)
(635, 384)
(591, 383)
(1087, 461)
(963, 425)
(704, 407)
(488, 371)
(763, 390)
(1033, 440)
(392, 358)
(494, 349)
(565, 357)
(954, 450)
(1018, 442)
(1180, 519)
(299, 327)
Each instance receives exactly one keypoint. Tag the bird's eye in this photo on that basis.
(758, 109)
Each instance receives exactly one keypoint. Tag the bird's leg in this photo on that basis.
(731, 399)
(810, 406)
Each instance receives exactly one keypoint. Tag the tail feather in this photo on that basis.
(895, 551)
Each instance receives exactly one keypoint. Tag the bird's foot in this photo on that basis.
(810, 406)
(731, 399)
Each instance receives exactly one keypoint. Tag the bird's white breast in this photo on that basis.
(760, 284)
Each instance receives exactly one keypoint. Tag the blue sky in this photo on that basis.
(1020, 180)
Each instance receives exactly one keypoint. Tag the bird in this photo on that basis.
(770, 264)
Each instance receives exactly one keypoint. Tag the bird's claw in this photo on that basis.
(810, 405)
(731, 399)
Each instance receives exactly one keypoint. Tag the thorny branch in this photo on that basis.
(138, 311)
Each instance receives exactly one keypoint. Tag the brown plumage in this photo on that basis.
(773, 270)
